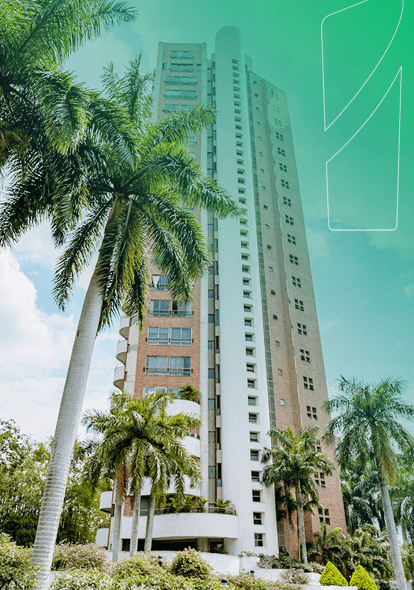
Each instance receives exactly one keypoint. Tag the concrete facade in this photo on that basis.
(254, 349)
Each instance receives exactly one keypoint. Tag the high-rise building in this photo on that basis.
(249, 342)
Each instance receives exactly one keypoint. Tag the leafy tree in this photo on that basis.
(294, 461)
(408, 561)
(362, 497)
(368, 420)
(134, 199)
(140, 439)
(402, 499)
(369, 548)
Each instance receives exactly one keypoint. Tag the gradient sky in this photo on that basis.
(364, 281)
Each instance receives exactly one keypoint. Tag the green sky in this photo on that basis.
(364, 281)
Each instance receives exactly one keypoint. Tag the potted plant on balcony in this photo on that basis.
(189, 393)
(222, 505)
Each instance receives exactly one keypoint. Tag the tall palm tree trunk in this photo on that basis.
(392, 536)
(150, 524)
(65, 433)
(116, 537)
(135, 521)
(301, 523)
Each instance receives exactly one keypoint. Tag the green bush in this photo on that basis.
(81, 580)
(331, 576)
(157, 580)
(189, 563)
(295, 576)
(362, 579)
(16, 568)
(248, 582)
(79, 557)
(140, 564)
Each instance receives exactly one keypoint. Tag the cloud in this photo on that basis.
(35, 349)
(317, 244)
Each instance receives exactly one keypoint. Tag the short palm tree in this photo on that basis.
(134, 201)
(370, 548)
(329, 546)
(368, 422)
(294, 461)
(139, 439)
(362, 498)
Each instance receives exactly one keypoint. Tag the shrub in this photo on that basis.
(157, 580)
(248, 582)
(16, 568)
(81, 580)
(189, 563)
(295, 576)
(282, 562)
(331, 576)
(362, 579)
(79, 557)
(140, 564)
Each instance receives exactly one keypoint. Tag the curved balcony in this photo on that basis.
(124, 326)
(121, 350)
(185, 525)
(119, 376)
(192, 444)
(195, 491)
(101, 538)
(185, 406)
(105, 502)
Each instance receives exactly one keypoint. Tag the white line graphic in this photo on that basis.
(399, 73)
(323, 68)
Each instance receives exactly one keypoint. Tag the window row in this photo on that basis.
(167, 307)
(181, 80)
(187, 94)
(174, 390)
(182, 54)
(164, 365)
(170, 336)
(171, 108)
(174, 67)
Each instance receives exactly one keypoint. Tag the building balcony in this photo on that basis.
(101, 538)
(105, 502)
(121, 350)
(119, 376)
(185, 406)
(168, 371)
(124, 325)
(192, 444)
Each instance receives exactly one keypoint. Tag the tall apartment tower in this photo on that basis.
(250, 340)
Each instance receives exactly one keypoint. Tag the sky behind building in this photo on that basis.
(363, 281)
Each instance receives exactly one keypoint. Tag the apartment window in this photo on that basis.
(251, 383)
(261, 154)
(257, 518)
(256, 478)
(159, 282)
(308, 383)
(250, 368)
(180, 365)
(251, 400)
(211, 345)
(263, 188)
(279, 136)
(158, 335)
(279, 371)
(311, 413)
(269, 247)
(287, 202)
(271, 268)
(210, 404)
(160, 307)
(294, 259)
(182, 54)
(254, 437)
(302, 329)
(266, 225)
(296, 282)
(187, 94)
(249, 351)
(245, 257)
(273, 292)
(256, 495)
(248, 322)
(253, 418)
(181, 309)
(299, 305)
(211, 318)
(254, 455)
(247, 294)
(248, 308)
(212, 472)
(291, 239)
(284, 183)
(277, 343)
(258, 540)
(248, 337)
(282, 167)
(281, 152)
(265, 207)
(304, 355)
(282, 402)
(181, 68)
(275, 316)
(157, 365)
(211, 293)
(289, 220)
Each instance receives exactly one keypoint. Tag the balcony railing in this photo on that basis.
(172, 313)
(171, 341)
(167, 371)
(210, 509)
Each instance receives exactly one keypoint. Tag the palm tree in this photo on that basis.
(134, 198)
(36, 95)
(368, 421)
(140, 439)
(402, 498)
(362, 498)
(329, 545)
(294, 461)
(370, 548)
